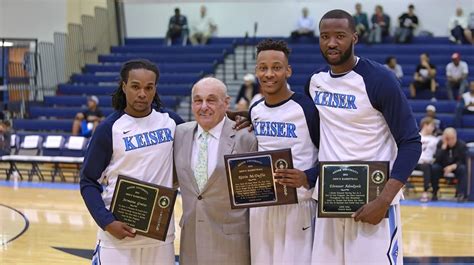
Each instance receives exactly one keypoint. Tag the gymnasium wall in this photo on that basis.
(32, 18)
(41, 18)
(149, 18)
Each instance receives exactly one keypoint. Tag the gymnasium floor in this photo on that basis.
(46, 223)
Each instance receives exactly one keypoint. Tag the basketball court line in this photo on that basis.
(77, 240)
(4, 241)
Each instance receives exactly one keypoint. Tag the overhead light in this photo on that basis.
(6, 44)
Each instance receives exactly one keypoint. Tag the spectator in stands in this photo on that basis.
(456, 75)
(361, 23)
(466, 105)
(407, 25)
(85, 122)
(450, 157)
(380, 25)
(392, 65)
(247, 91)
(177, 28)
(424, 77)
(5, 136)
(304, 26)
(203, 29)
(458, 26)
(431, 113)
(428, 149)
(468, 99)
(470, 25)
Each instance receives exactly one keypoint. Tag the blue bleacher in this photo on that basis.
(114, 77)
(181, 66)
(104, 101)
(442, 106)
(468, 121)
(392, 49)
(160, 59)
(466, 135)
(134, 49)
(64, 125)
(61, 112)
(205, 68)
(447, 119)
(163, 90)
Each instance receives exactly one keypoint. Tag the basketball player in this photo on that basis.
(364, 115)
(283, 234)
(134, 141)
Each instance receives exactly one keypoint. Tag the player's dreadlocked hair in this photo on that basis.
(119, 102)
(340, 14)
(274, 45)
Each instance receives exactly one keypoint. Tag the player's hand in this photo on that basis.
(292, 178)
(241, 119)
(372, 212)
(444, 144)
(242, 122)
(120, 230)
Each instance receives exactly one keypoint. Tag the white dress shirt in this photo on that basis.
(457, 71)
(305, 23)
(203, 25)
(212, 146)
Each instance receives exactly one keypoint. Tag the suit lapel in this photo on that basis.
(226, 145)
(188, 152)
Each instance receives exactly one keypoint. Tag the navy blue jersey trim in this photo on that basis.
(386, 96)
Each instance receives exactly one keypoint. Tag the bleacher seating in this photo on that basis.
(180, 67)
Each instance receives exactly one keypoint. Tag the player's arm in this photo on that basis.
(386, 96)
(173, 115)
(294, 177)
(97, 158)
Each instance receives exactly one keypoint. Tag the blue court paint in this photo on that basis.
(40, 185)
(445, 204)
(438, 260)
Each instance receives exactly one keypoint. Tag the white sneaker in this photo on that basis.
(433, 99)
(424, 197)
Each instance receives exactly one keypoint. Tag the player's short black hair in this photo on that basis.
(274, 45)
(425, 53)
(388, 59)
(340, 14)
(119, 101)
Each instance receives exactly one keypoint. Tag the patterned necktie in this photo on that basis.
(200, 171)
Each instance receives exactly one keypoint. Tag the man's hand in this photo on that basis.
(120, 230)
(292, 178)
(372, 212)
(444, 144)
(449, 169)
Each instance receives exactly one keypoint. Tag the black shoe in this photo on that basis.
(434, 198)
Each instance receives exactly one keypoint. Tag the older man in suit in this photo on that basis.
(212, 233)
